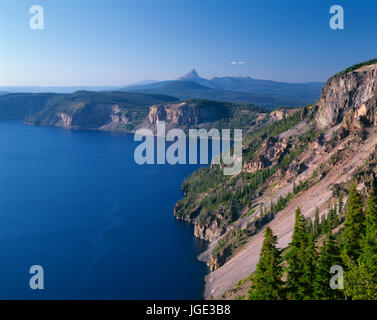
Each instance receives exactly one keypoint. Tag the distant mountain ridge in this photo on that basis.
(265, 93)
(192, 90)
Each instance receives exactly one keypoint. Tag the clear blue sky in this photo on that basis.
(114, 42)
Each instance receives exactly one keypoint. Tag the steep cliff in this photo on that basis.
(346, 93)
(299, 161)
(188, 114)
(207, 114)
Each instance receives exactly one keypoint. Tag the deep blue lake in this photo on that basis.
(101, 226)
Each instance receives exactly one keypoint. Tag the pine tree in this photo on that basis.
(369, 250)
(336, 216)
(323, 224)
(359, 283)
(310, 226)
(301, 186)
(354, 226)
(329, 256)
(301, 261)
(340, 203)
(316, 223)
(267, 283)
(332, 218)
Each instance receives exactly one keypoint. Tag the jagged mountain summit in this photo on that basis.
(190, 76)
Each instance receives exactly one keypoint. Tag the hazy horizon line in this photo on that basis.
(141, 82)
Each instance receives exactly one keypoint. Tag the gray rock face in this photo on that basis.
(186, 114)
(346, 92)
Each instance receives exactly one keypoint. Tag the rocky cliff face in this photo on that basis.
(86, 116)
(187, 114)
(206, 228)
(346, 94)
(117, 116)
(66, 119)
(271, 150)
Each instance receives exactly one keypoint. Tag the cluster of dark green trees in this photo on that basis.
(306, 269)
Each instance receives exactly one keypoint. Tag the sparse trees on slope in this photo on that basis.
(267, 283)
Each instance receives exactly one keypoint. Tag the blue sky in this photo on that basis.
(115, 42)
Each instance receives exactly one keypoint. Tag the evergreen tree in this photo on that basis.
(301, 261)
(309, 226)
(301, 186)
(359, 283)
(326, 224)
(316, 223)
(332, 218)
(336, 216)
(340, 203)
(354, 226)
(323, 225)
(267, 283)
(329, 256)
(369, 253)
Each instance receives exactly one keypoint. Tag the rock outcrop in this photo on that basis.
(346, 94)
(208, 228)
(271, 150)
(187, 114)
(117, 116)
(66, 119)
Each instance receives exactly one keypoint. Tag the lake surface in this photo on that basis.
(101, 226)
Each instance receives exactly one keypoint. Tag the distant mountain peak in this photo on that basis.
(192, 75)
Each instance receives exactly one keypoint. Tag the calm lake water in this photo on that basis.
(101, 226)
